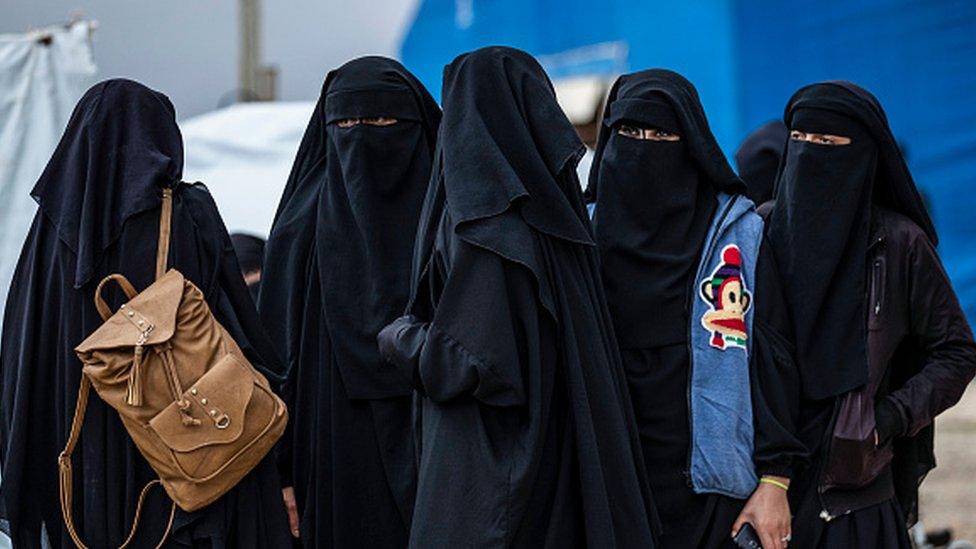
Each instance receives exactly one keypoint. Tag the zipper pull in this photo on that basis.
(877, 283)
(144, 335)
(133, 393)
(825, 516)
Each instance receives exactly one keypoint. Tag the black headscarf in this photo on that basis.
(505, 184)
(88, 201)
(354, 195)
(655, 201)
(820, 227)
(336, 271)
(99, 201)
(505, 148)
(250, 254)
(249, 250)
(758, 159)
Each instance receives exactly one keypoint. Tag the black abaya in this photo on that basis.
(655, 201)
(70, 247)
(336, 271)
(527, 438)
(658, 381)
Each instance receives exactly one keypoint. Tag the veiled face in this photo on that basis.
(367, 121)
(646, 134)
(820, 138)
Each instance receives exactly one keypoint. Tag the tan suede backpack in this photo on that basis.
(198, 411)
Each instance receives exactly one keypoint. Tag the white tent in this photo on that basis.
(243, 153)
(43, 73)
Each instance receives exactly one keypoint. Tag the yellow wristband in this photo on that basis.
(775, 482)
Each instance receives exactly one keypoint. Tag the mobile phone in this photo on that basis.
(747, 538)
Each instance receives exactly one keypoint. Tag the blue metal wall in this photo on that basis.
(917, 57)
(747, 56)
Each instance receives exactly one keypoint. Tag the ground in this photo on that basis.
(948, 495)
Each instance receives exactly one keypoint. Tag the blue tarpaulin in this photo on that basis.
(747, 57)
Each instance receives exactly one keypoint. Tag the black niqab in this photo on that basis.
(336, 271)
(655, 201)
(507, 200)
(820, 227)
(99, 210)
(758, 159)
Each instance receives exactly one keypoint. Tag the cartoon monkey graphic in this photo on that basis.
(729, 299)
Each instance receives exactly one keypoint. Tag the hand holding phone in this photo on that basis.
(747, 538)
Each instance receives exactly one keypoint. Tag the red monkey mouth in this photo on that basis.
(729, 324)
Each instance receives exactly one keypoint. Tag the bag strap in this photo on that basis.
(100, 304)
(65, 473)
(65, 477)
(162, 258)
(165, 229)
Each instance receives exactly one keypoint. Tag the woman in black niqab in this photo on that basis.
(820, 226)
(99, 200)
(656, 179)
(527, 438)
(882, 345)
(336, 271)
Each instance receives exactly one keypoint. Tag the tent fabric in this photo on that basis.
(244, 153)
(43, 73)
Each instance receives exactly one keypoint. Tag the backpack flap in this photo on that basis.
(152, 312)
(224, 405)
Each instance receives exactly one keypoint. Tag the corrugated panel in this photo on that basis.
(746, 57)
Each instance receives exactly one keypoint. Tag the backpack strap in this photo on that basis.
(65, 475)
(65, 478)
(165, 229)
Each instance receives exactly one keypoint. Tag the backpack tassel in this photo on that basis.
(133, 395)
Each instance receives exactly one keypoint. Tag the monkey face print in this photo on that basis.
(729, 299)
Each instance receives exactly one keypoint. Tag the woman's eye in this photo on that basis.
(662, 135)
(347, 122)
(796, 135)
(379, 121)
(824, 140)
(630, 131)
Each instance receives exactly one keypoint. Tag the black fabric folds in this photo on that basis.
(655, 202)
(108, 166)
(758, 159)
(336, 271)
(99, 214)
(820, 227)
(528, 437)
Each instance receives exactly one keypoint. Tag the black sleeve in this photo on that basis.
(475, 343)
(940, 327)
(775, 378)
